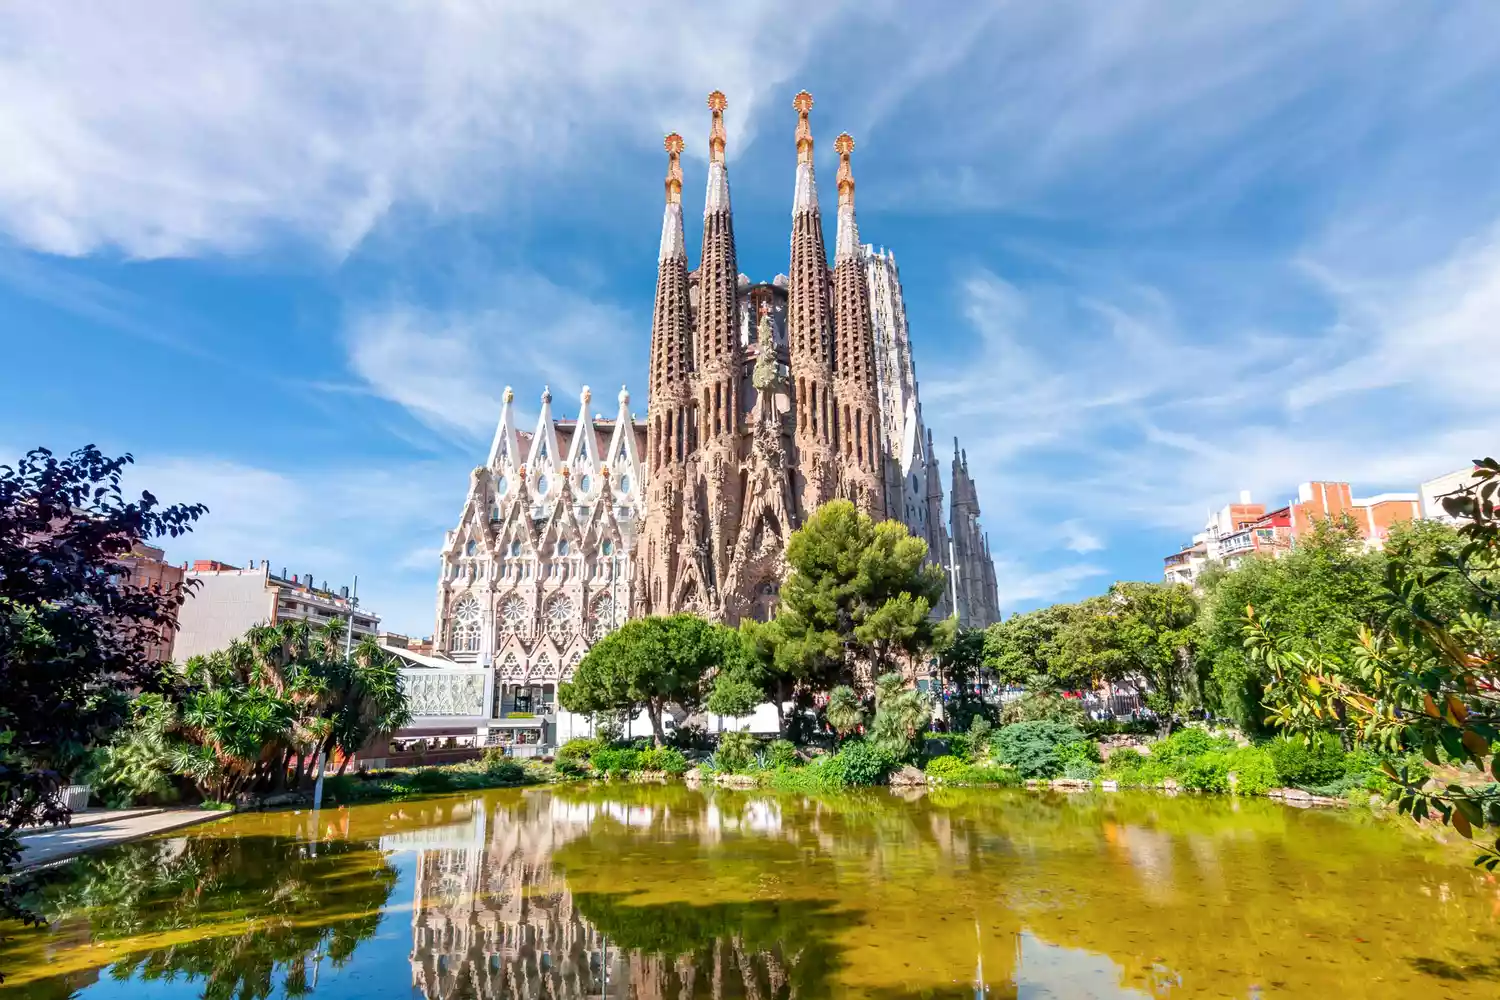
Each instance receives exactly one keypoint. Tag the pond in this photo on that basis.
(669, 892)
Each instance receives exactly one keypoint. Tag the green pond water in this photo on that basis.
(668, 892)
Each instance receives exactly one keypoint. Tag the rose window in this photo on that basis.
(465, 634)
(602, 619)
(513, 614)
(560, 617)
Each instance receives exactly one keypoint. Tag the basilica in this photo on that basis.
(765, 400)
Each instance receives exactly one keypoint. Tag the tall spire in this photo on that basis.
(718, 334)
(718, 176)
(847, 244)
(858, 432)
(809, 326)
(669, 388)
(805, 197)
(671, 219)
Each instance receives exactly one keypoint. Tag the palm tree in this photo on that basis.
(844, 712)
(900, 714)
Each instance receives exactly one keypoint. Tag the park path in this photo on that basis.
(90, 831)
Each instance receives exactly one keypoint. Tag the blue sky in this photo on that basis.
(1154, 253)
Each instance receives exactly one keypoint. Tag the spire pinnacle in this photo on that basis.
(716, 104)
(803, 102)
(674, 146)
(844, 145)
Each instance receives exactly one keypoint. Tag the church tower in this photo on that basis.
(810, 329)
(856, 419)
(715, 494)
(668, 437)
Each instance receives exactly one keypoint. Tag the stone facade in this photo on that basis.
(766, 400)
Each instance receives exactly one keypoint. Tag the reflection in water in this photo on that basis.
(667, 893)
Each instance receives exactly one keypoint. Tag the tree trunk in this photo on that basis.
(297, 771)
(653, 710)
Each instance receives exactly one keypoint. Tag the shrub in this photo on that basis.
(612, 761)
(980, 732)
(782, 753)
(1318, 760)
(1080, 770)
(947, 767)
(505, 770)
(736, 750)
(578, 750)
(1255, 771)
(959, 744)
(668, 759)
(1032, 748)
(859, 763)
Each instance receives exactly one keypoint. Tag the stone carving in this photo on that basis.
(442, 693)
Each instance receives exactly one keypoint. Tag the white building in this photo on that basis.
(226, 601)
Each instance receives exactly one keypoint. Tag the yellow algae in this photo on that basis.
(718, 893)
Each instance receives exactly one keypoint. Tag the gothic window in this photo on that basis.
(513, 615)
(511, 669)
(601, 618)
(625, 484)
(541, 484)
(502, 486)
(465, 634)
(471, 548)
(560, 617)
(607, 547)
(562, 547)
(586, 483)
(515, 548)
(572, 665)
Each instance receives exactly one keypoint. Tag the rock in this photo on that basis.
(1234, 783)
(1296, 795)
(1110, 786)
(736, 780)
(1170, 785)
(693, 776)
(1033, 783)
(1072, 784)
(908, 777)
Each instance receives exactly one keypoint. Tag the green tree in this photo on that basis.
(751, 674)
(75, 633)
(650, 663)
(1024, 650)
(1325, 590)
(844, 712)
(859, 594)
(1142, 634)
(901, 714)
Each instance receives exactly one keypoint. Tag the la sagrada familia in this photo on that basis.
(765, 401)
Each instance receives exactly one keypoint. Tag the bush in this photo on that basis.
(782, 753)
(690, 738)
(578, 750)
(668, 759)
(1080, 770)
(736, 751)
(947, 767)
(1033, 748)
(1254, 770)
(613, 762)
(1318, 760)
(858, 763)
(980, 732)
(504, 770)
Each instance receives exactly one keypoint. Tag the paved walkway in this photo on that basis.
(102, 830)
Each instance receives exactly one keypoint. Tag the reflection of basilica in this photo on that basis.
(493, 917)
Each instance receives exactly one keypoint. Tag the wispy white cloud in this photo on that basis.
(170, 128)
(449, 367)
(1017, 584)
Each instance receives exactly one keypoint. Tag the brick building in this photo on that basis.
(1246, 528)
